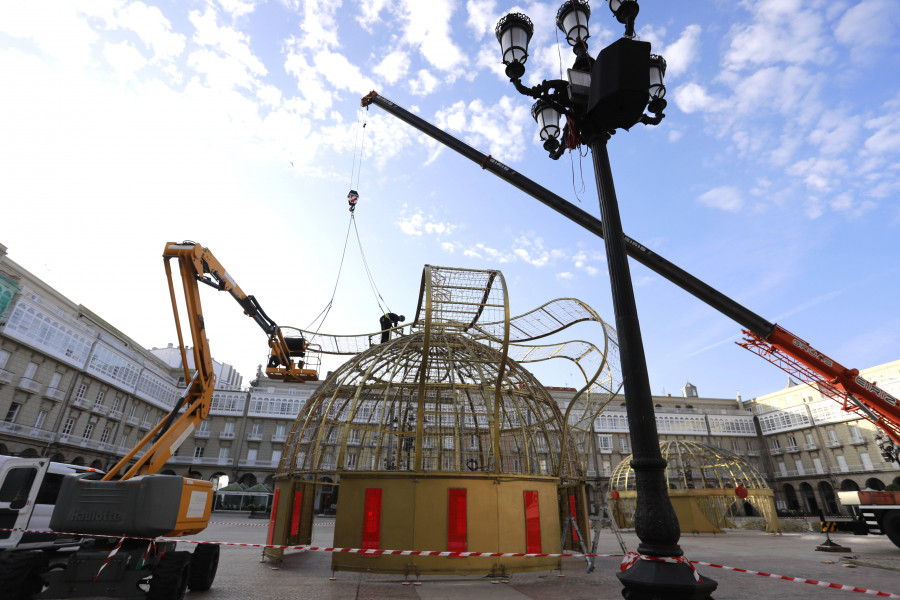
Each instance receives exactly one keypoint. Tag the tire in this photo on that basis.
(170, 577)
(890, 525)
(204, 563)
(21, 573)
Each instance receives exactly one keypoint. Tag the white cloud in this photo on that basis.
(565, 275)
(124, 58)
(319, 27)
(416, 224)
(341, 73)
(500, 127)
(869, 24)
(393, 66)
(681, 54)
(692, 97)
(725, 197)
(423, 84)
(426, 25)
(482, 17)
(783, 31)
(153, 28)
(238, 8)
(371, 13)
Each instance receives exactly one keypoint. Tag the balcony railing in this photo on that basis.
(25, 431)
(145, 425)
(857, 441)
(29, 385)
(116, 415)
(254, 437)
(226, 435)
(201, 434)
(752, 452)
(133, 421)
(54, 394)
(99, 409)
(201, 460)
(6, 377)
(258, 463)
(81, 403)
(278, 438)
(834, 443)
(793, 449)
(776, 451)
(810, 446)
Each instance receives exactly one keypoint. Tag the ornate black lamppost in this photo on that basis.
(601, 95)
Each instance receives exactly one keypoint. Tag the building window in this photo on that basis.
(223, 453)
(13, 412)
(832, 435)
(116, 402)
(256, 429)
(204, 427)
(133, 410)
(276, 456)
(251, 454)
(809, 439)
(123, 442)
(623, 445)
(88, 430)
(198, 451)
(54, 380)
(104, 436)
(775, 444)
(99, 400)
(229, 427)
(30, 370)
(800, 469)
(817, 463)
(4, 356)
(39, 422)
(81, 390)
(279, 430)
(67, 428)
(866, 461)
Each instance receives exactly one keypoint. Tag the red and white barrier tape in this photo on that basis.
(627, 562)
(109, 558)
(837, 586)
(632, 557)
(266, 524)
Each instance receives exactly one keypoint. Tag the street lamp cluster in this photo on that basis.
(600, 95)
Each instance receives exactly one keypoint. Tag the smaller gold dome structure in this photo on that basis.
(703, 484)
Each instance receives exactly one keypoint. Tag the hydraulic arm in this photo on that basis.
(767, 339)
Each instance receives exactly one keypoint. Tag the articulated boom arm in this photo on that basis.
(767, 339)
(856, 395)
(198, 265)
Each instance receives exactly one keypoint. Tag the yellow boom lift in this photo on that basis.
(133, 503)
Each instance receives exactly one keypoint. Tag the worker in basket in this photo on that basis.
(389, 320)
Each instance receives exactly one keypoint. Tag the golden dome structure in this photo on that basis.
(440, 438)
(707, 486)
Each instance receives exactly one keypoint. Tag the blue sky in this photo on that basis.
(774, 177)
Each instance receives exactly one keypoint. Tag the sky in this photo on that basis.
(774, 177)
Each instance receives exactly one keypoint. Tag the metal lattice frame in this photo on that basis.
(450, 395)
(704, 468)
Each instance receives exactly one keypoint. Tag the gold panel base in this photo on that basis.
(414, 516)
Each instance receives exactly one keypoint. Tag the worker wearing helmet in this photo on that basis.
(389, 320)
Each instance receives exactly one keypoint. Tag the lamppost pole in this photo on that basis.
(601, 95)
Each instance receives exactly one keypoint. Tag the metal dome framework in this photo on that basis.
(450, 396)
(711, 475)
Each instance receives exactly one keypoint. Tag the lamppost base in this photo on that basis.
(655, 580)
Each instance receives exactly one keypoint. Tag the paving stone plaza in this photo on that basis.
(875, 565)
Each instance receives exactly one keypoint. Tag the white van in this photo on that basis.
(28, 491)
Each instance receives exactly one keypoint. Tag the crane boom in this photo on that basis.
(773, 342)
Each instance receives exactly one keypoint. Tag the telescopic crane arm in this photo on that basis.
(769, 340)
(198, 265)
